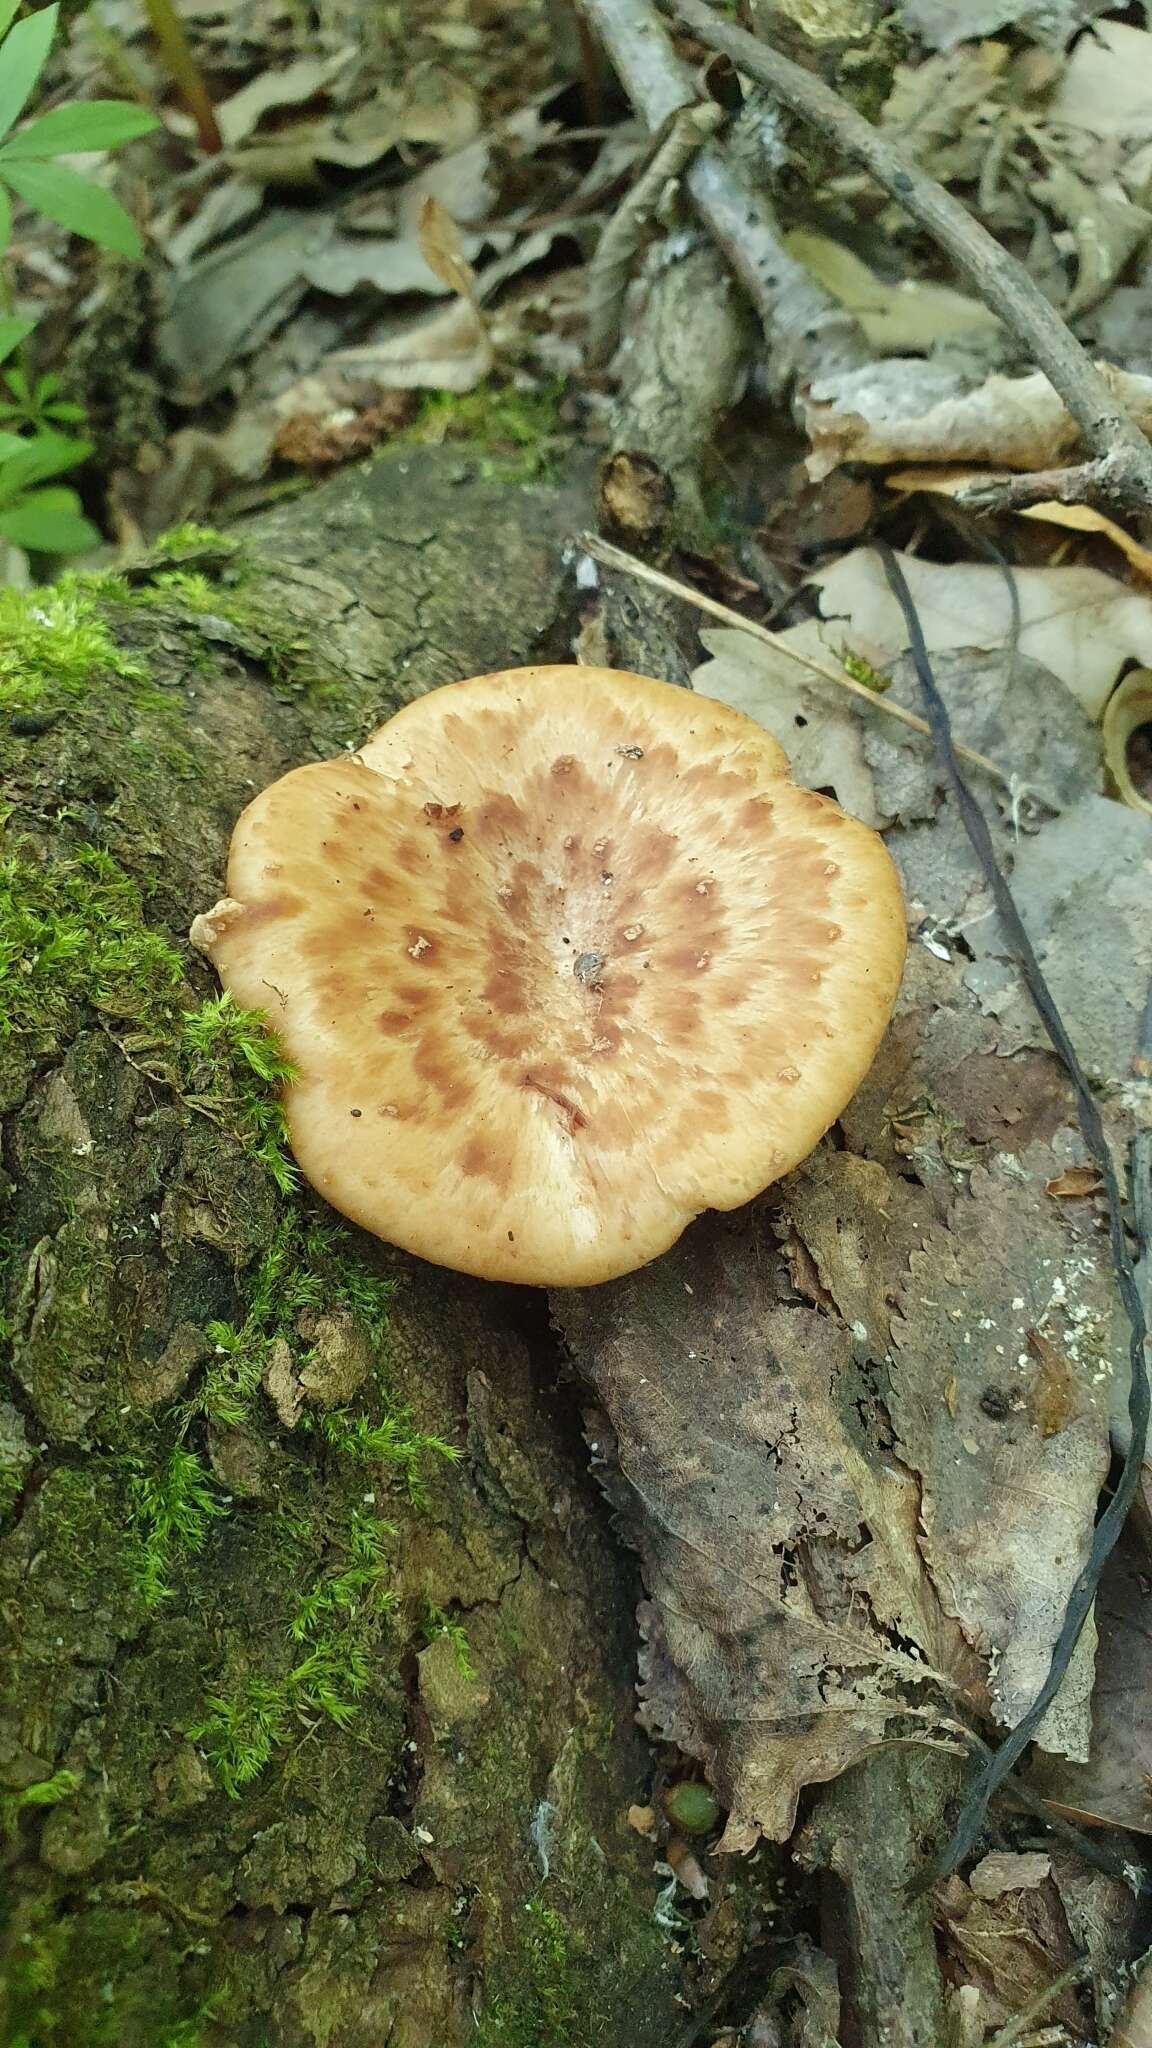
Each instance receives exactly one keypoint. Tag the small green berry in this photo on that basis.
(692, 1806)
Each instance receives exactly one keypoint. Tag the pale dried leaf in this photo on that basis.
(1128, 708)
(815, 725)
(443, 250)
(1106, 87)
(910, 313)
(449, 352)
(1075, 1182)
(290, 86)
(1106, 228)
(1008, 422)
(942, 23)
(1077, 622)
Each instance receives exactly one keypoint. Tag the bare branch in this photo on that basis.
(808, 333)
(1001, 281)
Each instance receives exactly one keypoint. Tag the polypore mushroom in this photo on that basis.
(561, 958)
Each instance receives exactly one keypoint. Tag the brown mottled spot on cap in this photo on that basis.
(563, 764)
(480, 1159)
(394, 1020)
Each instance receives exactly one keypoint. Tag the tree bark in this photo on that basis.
(430, 1845)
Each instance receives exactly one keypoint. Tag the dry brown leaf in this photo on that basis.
(442, 249)
(782, 1562)
(1009, 1948)
(1115, 1786)
(1128, 709)
(897, 318)
(1007, 1512)
(947, 483)
(1075, 1181)
(1005, 1871)
(1054, 1395)
(1010, 423)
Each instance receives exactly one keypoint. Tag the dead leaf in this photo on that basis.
(879, 416)
(1054, 1395)
(1008, 1950)
(1106, 228)
(1081, 886)
(1128, 710)
(1106, 86)
(442, 249)
(450, 351)
(308, 442)
(782, 1560)
(1114, 1787)
(289, 86)
(1007, 1513)
(1003, 1871)
(1075, 1181)
(909, 314)
(941, 23)
(943, 110)
(1077, 622)
(814, 724)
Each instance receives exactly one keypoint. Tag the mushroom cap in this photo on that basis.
(561, 958)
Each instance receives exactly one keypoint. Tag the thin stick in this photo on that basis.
(618, 558)
(807, 329)
(1003, 283)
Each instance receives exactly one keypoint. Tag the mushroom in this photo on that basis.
(561, 958)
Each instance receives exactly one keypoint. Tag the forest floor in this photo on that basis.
(456, 342)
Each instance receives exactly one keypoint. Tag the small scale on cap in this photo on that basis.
(561, 958)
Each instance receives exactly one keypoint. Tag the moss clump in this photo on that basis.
(236, 1071)
(72, 931)
(549, 1992)
(54, 640)
(173, 1505)
(333, 1627)
(520, 431)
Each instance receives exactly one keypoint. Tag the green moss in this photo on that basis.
(173, 1506)
(393, 1441)
(306, 1267)
(236, 1071)
(72, 931)
(335, 1624)
(519, 430)
(54, 640)
(437, 1626)
(548, 1992)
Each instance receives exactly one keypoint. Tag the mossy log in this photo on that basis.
(318, 1727)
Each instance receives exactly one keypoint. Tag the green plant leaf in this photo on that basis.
(7, 10)
(50, 521)
(5, 220)
(12, 333)
(67, 197)
(99, 124)
(26, 48)
(10, 445)
(64, 409)
(43, 456)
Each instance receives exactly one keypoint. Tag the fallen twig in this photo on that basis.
(620, 242)
(1123, 456)
(808, 332)
(618, 558)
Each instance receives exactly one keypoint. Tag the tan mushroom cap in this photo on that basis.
(562, 958)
